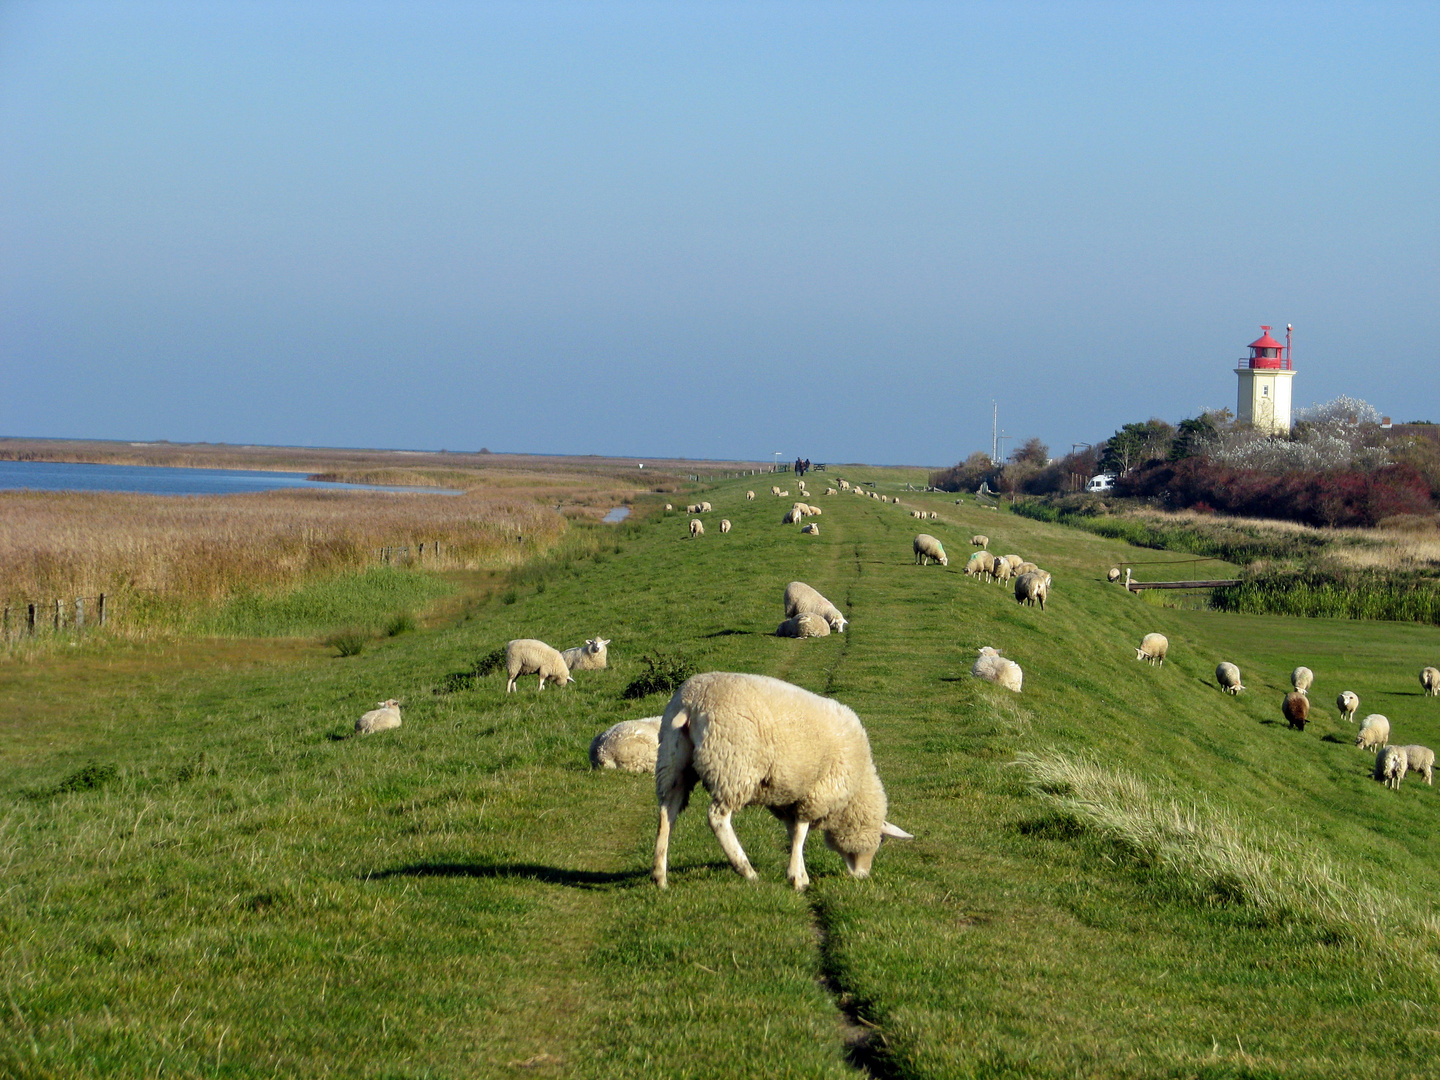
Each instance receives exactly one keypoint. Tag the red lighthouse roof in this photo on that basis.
(1265, 341)
(1266, 352)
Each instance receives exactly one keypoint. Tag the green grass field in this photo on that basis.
(203, 876)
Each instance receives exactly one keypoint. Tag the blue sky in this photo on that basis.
(706, 230)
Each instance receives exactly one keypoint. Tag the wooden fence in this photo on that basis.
(31, 617)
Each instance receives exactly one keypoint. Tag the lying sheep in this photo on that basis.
(1348, 704)
(724, 525)
(1228, 676)
(980, 565)
(1113, 574)
(1391, 764)
(775, 489)
(992, 667)
(1374, 733)
(980, 541)
(527, 656)
(630, 746)
(1302, 678)
(1153, 648)
(811, 529)
(1420, 759)
(1296, 708)
(831, 491)
(1032, 589)
(806, 624)
(800, 598)
(1430, 680)
(926, 548)
(756, 741)
(749, 495)
(383, 717)
(592, 656)
(783, 494)
(697, 528)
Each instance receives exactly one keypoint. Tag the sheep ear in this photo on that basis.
(894, 832)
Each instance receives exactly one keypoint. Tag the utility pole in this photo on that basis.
(995, 432)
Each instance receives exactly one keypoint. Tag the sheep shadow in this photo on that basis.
(1336, 739)
(728, 633)
(546, 875)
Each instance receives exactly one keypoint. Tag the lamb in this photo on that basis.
(980, 565)
(926, 548)
(1153, 648)
(800, 597)
(1032, 589)
(383, 717)
(1420, 759)
(783, 494)
(1301, 678)
(1296, 708)
(811, 529)
(697, 528)
(749, 495)
(1391, 765)
(1112, 575)
(753, 740)
(1374, 733)
(592, 656)
(1430, 680)
(630, 745)
(992, 667)
(980, 541)
(527, 656)
(1228, 676)
(1348, 703)
(806, 624)
(775, 489)
(724, 525)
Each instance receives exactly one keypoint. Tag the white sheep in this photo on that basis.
(992, 667)
(749, 495)
(1153, 648)
(1015, 562)
(1032, 589)
(705, 508)
(1391, 765)
(1420, 759)
(756, 741)
(811, 529)
(1025, 567)
(724, 525)
(383, 717)
(775, 489)
(1430, 680)
(917, 514)
(668, 508)
(1302, 678)
(926, 547)
(1348, 704)
(806, 624)
(630, 745)
(980, 565)
(844, 485)
(980, 541)
(1374, 733)
(831, 491)
(697, 527)
(694, 508)
(1112, 575)
(1000, 571)
(592, 656)
(1228, 676)
(783, 494)
(800, 597)
(527, 656)
(793, 516)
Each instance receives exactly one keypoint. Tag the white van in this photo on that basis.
(1103, 482)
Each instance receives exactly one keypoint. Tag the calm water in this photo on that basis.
(620, 513)
(164, 480)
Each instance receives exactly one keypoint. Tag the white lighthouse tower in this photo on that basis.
(1265, 376)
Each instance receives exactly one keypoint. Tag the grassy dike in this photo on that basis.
(203, 877)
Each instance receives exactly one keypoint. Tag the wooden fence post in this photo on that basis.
(30, 619)
(58, 609)
(79, 613)
(100, 604)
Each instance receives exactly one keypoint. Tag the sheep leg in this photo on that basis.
(669, 811)
(729, 842)
(510, 686)
(796, 874)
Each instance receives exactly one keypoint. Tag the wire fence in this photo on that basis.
(29, 618)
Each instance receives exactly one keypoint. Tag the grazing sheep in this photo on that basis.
(697, 528)
(775, 489)
(668, 508)
(1296, 708)
(844, 485)
(1113, 574)
(694, 508)
(980, 565)
(806, 624)
(1348, 703)
(1153, 648)
(1001, 570)
(749, 495)
(1032, 589)
(926, 548)
(917, 514)
(1228, 676)
(811, 529)
(1026, 567)
(630, 746)
(934, 515)
(527, 656)
(383, 717)
(1374, 733)
(980, 541)
(753, 740)
(592, 656)
(705, 507)
(1015, 562)
(1391, 765)
(992, 667)
(1420, 759)
(793, 516)
(1301, 678)
(724, 525)
(800, 597)
(1430, 680)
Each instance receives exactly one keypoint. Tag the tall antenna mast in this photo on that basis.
(995, 433)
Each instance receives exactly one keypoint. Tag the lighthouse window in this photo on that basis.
(1264, 391)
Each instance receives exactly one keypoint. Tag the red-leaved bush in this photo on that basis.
(1333, 497)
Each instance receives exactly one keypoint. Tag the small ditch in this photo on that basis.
(866, 1048)
(620, 513)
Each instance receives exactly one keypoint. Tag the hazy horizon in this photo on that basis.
(711, 231)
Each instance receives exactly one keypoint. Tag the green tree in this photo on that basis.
(1135, 444)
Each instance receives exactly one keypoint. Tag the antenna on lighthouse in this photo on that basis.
(1289, 356)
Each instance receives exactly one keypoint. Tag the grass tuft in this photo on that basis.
(403, 623)
(90, 778)
(663, 674)
(347, 642)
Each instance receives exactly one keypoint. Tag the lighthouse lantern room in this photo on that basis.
(1265, 375)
